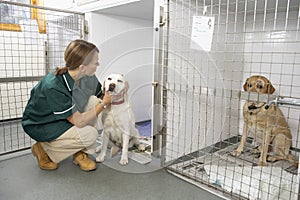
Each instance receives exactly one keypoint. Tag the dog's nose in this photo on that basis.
(111, 87)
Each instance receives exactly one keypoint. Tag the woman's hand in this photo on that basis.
(81, 119)
(107, 99)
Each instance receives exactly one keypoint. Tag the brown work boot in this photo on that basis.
(43, 159)
(82, 159)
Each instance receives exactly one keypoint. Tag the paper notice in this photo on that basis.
(202, 33)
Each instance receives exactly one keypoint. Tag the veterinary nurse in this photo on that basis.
(61, 114)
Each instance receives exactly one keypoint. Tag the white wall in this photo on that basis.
(273, 51)
(197, 118)
(22, 54)
(58, 39)
(126, 47)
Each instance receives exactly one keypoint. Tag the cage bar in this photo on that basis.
(27, 53)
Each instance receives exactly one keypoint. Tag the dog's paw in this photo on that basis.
(235, 153)
(124, 161)
(141, 147)
(272, 158)
(255, 150)
(100, 158)
(261, 163)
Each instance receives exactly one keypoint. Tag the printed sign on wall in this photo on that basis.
(202, 32)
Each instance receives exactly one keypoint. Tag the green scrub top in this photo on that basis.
(54, 99)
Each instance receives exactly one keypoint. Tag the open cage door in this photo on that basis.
(210, 49)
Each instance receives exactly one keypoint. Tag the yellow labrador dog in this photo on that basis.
(268, 126)
(118, 121)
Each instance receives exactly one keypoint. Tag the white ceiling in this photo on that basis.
(142, 9)
(59, 4)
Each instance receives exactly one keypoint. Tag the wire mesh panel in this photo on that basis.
(211, 48)
(32, 43)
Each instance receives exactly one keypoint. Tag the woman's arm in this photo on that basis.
(82, 119)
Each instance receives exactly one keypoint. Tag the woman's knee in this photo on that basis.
(88, 135)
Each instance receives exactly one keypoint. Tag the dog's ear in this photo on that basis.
(245, 86)
(103, 86)
(271, 88)
(103, 90)
(101, 96)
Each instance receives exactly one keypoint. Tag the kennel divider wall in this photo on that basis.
(203, 89)
(25, 57)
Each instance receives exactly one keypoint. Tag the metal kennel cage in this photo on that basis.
(208, 49)
(32, 42)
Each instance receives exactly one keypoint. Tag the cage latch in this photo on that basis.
(283, 101)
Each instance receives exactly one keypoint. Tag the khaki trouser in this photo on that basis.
(74, 139)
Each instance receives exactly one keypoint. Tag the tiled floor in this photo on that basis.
(20, 178)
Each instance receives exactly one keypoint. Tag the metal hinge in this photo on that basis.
(162, 21)
(154, 84)
(86, 27)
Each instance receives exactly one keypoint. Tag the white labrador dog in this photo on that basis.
(118, 121)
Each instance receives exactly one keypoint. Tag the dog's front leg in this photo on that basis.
(240, 148)
(101, 156)
(265, 148)
(124, 157)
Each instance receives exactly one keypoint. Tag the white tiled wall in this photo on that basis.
(273, 50)
(22, 54)
(244, 44)
(275, 54)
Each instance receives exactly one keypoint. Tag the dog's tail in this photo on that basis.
(114, 150)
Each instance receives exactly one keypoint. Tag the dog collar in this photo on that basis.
(120, 95)
(118, 102)
(252, 107)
